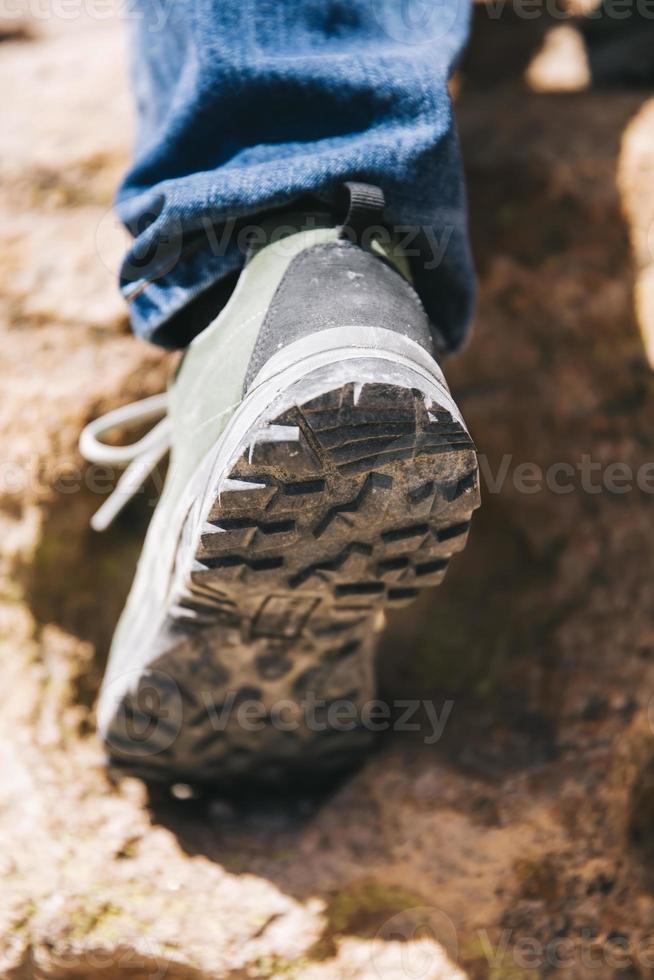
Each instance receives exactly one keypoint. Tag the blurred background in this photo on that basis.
(519, 844)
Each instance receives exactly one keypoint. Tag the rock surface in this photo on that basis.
(518, 845)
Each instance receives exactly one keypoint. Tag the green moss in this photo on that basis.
(277, 966)
(83, 921)
(538, 880)
(449, 631)
(22, 923)
(362, 910)
(481, 960)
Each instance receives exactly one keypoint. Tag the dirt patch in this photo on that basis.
(516, 845)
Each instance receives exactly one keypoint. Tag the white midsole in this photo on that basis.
(375, 341)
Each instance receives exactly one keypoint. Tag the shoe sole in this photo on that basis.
(348, 501)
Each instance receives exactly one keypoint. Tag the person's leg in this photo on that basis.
(247, 105)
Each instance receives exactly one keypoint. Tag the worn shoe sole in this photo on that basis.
(346, 491)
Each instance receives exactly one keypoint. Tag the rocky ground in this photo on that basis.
(521, 844)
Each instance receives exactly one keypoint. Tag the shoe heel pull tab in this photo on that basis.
(363, 206)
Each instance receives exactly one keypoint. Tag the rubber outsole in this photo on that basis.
(338, 507)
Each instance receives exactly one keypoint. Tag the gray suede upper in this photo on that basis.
(338, 284)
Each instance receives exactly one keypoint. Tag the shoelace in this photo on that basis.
(140, 458)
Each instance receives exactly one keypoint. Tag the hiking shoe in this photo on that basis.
(320, 474)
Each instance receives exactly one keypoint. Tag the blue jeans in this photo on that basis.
(245, 106)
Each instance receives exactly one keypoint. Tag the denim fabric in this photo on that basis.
(247, 105)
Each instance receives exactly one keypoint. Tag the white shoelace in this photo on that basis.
(140, 458)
